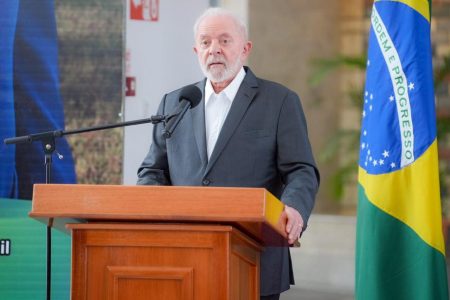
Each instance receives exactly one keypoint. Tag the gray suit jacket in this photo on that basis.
(263, 143)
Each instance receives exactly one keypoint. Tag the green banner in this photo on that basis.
(23, 255)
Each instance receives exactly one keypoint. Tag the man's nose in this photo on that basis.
(215, 48)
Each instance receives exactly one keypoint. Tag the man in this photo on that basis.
(246, 132)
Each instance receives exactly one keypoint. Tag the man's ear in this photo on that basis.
(247, 49)
(195, 50)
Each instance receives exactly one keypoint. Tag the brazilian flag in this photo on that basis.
(400, 251)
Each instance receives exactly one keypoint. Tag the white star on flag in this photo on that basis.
(368, 62)
(386, 153)
(392, 165)
(363, 145)
(375, 162)
(391, 98)
(366, 93)
(365, 132)
(364, 113)
(411, 86)
(371, 96)
(381, 162)
(370, 107)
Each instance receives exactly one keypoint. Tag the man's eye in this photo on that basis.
(204, 43)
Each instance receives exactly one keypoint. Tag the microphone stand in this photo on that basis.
(48, 138)
(49, 146)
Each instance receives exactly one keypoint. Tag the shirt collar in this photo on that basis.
(230, 91)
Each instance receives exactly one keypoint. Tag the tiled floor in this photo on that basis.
(309, 294)
(306, 294)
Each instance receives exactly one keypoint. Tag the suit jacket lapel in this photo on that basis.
(198, 121)
(243, 98)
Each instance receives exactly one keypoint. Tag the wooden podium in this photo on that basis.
(157, 242)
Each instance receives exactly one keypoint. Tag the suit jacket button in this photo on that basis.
(206, 181)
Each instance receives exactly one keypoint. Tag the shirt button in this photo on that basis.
(206, 182)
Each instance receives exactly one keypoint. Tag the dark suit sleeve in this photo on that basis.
(154, 170)
(295, 160)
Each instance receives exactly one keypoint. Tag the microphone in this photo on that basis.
(190, 96)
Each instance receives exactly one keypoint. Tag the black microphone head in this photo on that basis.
(192, 94)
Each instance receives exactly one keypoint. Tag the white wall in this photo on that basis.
(160, 57)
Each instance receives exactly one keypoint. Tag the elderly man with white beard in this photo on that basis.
(246, 132)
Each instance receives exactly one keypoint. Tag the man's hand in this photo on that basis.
(294, 225)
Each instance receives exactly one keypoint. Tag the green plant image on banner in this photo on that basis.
(23, 255)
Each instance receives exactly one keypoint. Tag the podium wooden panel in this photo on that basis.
(146, 242)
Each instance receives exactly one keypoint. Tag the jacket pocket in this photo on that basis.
(258, 133)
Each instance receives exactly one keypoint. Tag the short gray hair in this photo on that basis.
(218, 11)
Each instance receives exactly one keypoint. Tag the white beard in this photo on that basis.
(221, 74)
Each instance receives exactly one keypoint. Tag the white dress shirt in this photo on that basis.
(217, 107)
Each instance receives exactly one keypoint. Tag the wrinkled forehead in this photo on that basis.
(216, 26)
